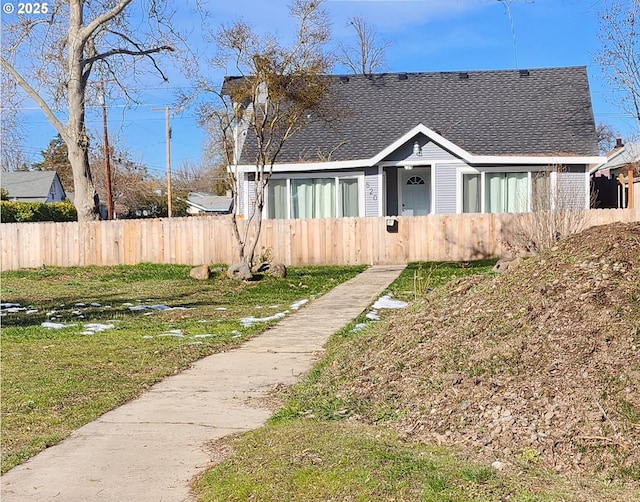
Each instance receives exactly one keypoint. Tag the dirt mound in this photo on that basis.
(539, 364)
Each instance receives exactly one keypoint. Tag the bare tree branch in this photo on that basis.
(369, 55)
(33, 94)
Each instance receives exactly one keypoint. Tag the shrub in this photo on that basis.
(17, 212)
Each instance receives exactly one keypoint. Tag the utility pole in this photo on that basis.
(168, 140)
(107, 154)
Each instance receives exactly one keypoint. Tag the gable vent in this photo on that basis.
(524, 73)
(463, 75)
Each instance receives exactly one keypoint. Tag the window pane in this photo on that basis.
(277, 198)
(516, 192)
(470, 193)
(349, 197)
(494, 192)
(506, 192)
(313, 198)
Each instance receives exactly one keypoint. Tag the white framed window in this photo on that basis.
(471, 194)
(315, 196)
(505, 191)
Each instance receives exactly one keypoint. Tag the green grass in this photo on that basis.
(56, 380)
(305, 460)
(302, 461)
(421, 277)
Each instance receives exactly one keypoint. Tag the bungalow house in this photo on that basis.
(444, 142)
(33, 186)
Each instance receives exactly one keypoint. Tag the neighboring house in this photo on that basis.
(613, 179)
(33, 186)
(208, 203)
(445, 142)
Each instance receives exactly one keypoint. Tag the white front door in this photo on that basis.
(415, 192)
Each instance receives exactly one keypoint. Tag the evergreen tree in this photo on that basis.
(55, 158)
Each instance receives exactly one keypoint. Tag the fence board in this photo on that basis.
(338, 241)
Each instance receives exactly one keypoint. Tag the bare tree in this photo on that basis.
(274, 92)
(12, 156)
(369, 55)
(193, 177)
(557, 211)
(52, 57)
(619, 56)
(607, 137)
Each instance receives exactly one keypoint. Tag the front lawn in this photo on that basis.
(77, 342)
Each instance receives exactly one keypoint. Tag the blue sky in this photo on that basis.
(425, 35)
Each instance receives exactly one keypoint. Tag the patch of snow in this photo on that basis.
(92, 328)
(204, 335)
(136, 308)
(386, 302)
(147, 336)
(274, 306)
(373, 315)
(95, 304)
(52, 325)
(127, 304)
(221, 308)
(14, 310)
(80, 304)
(173, 332)
(32, 311)
(298, 304)
(8, 305)
(358, 327)
(249, 321)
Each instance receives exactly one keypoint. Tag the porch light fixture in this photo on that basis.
(408, 168)
(417, 150)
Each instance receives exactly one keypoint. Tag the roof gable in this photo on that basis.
(28, 184)
(541, 112)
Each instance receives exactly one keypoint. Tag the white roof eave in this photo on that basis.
(436, 138)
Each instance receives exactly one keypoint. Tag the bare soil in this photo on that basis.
(541, 364)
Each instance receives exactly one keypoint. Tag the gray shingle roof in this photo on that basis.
(504, 112)
(630, 155)
(24, 185)
(210, 202)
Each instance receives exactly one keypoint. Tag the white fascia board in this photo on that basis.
(307, 166)
(535, 160)
(196, 206)
(440, 140)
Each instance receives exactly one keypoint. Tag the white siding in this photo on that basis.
(430, 152)
(445, 188)
(372, 192)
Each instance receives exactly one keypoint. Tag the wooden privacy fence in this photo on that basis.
(341, 241)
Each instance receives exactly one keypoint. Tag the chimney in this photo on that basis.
(619, 143)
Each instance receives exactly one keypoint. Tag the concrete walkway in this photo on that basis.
(151, 448)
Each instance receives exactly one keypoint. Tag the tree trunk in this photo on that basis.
(85, 195)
